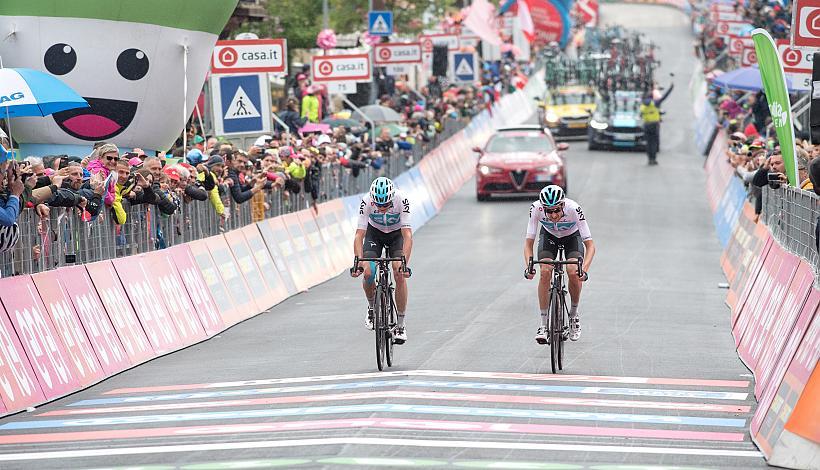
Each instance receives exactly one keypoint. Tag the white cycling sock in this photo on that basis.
(371, 301)
(544, 317)
(400, 319)
(573, 310)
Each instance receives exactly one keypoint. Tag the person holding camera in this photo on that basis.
(772, 172)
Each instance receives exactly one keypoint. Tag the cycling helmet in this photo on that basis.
(551, 195)
(382, 190)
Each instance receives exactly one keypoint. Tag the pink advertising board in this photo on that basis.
(197, 289)
(164, 278)
(19, 387)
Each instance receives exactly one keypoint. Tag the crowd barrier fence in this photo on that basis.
(67, 328)
(773, 295)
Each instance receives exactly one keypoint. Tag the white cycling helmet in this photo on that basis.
(551, 195)
(382, 190)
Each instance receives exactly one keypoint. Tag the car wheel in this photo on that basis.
(482, 197)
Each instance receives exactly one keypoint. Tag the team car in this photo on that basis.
(519, 160)
(567, 110)
(617, 122)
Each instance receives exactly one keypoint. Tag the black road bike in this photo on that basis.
(384, 307)
(558, 329)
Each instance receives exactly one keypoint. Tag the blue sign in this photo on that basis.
(241, 104)
(464, 67)
(380, 23)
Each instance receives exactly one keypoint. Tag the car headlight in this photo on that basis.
(598, 125)
(486, 170)
(552, 169)
(552, 117)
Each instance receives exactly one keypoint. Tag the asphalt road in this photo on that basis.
(653, 383)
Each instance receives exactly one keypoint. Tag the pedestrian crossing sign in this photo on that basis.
(464, 67)
(241, 104)
(380, 23)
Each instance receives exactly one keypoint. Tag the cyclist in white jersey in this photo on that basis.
(384, 223)
(561, 222)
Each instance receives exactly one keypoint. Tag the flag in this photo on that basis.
(525, 20)
(777, 95)
(481, 21)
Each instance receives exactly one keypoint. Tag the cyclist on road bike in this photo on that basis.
(384, 223)
(562, 223)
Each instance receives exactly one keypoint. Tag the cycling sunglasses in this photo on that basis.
(554, 210)
(386, 204)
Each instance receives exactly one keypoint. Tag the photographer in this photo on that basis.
(772, 172)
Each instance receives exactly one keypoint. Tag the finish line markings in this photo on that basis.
(438, 443)
(373, 423)
(440, 373)
(644, 392)
(379, 408)
(469, 397)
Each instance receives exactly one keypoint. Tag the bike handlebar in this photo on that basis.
(358, 269)
(579, 262)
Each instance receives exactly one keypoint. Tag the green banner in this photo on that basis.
(777, 95)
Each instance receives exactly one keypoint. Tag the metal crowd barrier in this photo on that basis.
(63, 239)
(791, 215)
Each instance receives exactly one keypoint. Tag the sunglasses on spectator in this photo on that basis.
(112, 159)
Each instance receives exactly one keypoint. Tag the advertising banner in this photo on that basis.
(278, 240)
(19, 387)
(165, 280)
(228, 310)
(69, 329)
(233, 280)
(42, 344)
(265, 263)
(266, 230)
(263, 294)
(104, 338)
(197, 289)
(106, 282)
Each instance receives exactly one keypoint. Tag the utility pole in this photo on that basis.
(325, 15)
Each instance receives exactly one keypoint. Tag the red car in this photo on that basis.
(519, 160)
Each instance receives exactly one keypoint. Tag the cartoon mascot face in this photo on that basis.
(126, 58)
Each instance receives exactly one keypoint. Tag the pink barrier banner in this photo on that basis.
(269, 238)
(778, 325)
(751, 245)
(115, 301)
(788, 381)
(19, 387)
(264, 294)
(313, 271)
(228, 312)
(70, 330)
(748, 284)
(165, 279)
(331, 225)
(265, 262)
(277, 238)
(232, 278)
(198, 290)
(43, 347)
(773, 281)
(104, 339)
(326, 268)
(436, 194)
(147, 302)
(716, 178)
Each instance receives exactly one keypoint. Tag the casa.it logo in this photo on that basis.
(385, 53)
(228, 56)
(809, 25)
(325, 68)
(791, 57)
(778, 114)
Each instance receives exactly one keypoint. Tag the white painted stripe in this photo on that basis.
(375, 442)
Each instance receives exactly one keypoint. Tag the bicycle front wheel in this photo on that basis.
(555, 331)
(390, 321)
(379, 327)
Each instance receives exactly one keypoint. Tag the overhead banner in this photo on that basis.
(551, 20)
(777, 94)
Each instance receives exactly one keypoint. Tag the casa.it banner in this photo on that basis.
(551, 20)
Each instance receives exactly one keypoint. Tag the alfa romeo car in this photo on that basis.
(519, 160)
(567, 110)
(617, 122)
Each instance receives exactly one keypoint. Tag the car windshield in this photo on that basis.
(627, 101)
(573, 98)
(529, 142)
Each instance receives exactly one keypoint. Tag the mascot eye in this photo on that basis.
(60, 59)
(132, 64)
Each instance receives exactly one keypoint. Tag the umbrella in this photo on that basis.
(313, 127)
(394, 129)
(378, 113)
(27, 92)
(340, 122)
(745, 78)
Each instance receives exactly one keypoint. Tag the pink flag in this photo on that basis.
(525, 20)
(481, 20)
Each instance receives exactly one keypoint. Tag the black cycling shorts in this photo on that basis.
(375, 241)
(548, 246)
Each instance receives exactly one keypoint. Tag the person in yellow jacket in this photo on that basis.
(124, 186)
(208, 179)
(651, 116)
(310, 105)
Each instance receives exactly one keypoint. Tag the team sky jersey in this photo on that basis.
(396, 218)
(571, 221)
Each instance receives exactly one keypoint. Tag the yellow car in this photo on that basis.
(568, 109)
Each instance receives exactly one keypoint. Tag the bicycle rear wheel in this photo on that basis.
(390, 321)
(379, 327)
